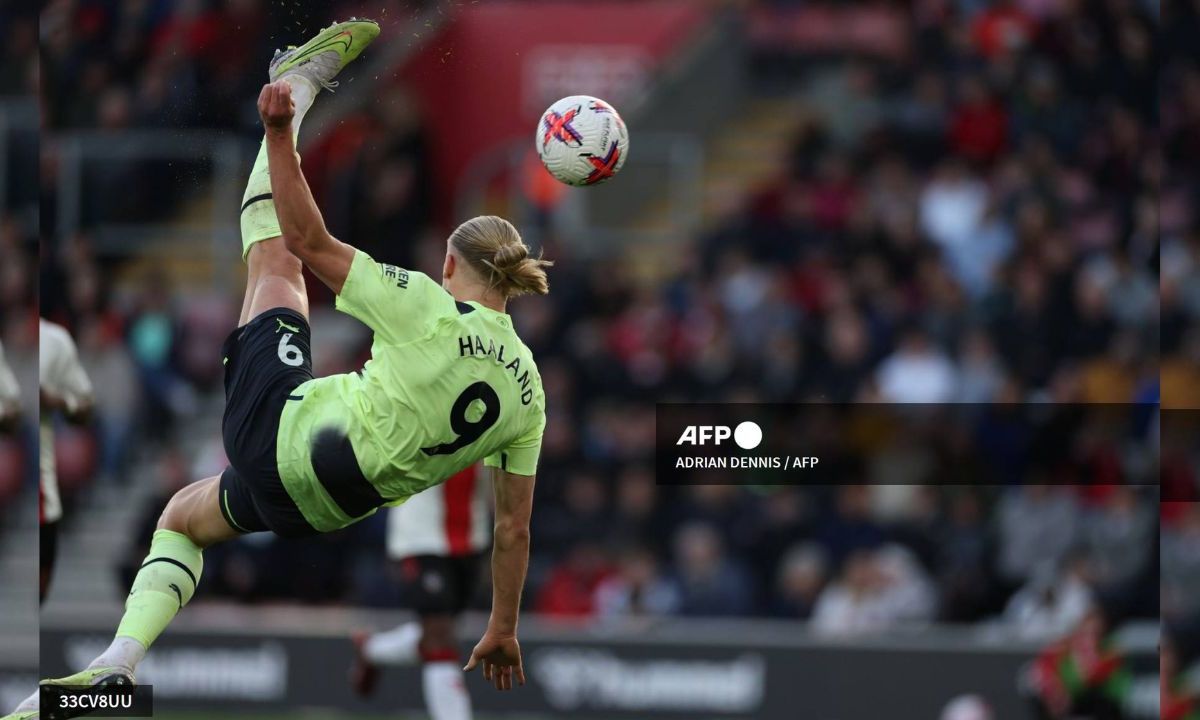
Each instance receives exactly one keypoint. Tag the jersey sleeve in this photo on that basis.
(521, 456)
(395, 303)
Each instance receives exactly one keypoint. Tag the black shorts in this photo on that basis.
(265, 360)
(437, 584)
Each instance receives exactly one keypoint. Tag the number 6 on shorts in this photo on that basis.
(290, 354)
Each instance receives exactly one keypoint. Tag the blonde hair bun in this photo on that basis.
(494, 248)
(509, 256)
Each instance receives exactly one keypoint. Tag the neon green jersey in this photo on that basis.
(448, 384)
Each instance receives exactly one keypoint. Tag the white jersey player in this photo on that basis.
(65, 388)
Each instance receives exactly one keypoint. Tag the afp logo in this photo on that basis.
(747, 435)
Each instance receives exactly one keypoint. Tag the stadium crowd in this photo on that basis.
(113, 64)
(977, 224)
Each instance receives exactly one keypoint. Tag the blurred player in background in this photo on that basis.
(449, 383)
(66, 389)
(10, 394)
(436, 540)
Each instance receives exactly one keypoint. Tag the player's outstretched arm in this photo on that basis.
(498, 650)
(300, 221)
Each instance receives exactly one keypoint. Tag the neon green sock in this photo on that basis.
(258, 218)
(163, 586)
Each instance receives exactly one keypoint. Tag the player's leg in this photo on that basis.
(404, 644)
(47, 554)
(274, 276)
(432, 641)
(195, 512)
(275, 279)
(446, 696)
(438, 588)
(50, 513)
(166, 582)
(373, 651)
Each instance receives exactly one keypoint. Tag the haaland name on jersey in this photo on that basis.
(473, 345)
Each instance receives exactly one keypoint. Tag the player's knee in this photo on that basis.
(174, 515)
(179, 514)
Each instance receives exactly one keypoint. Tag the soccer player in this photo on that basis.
(435, 539)
(65, 388)
(449, 383)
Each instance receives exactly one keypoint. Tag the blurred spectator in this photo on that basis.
(801, 577)
(917, 372)
(850, 527)
(953, 207)
(849, 102)
(907, 593)
(963, 559)
(981, 375)
(571, 588)
(979, 125)
(636, 509)
(1036, 526)
(108, 363)
(1052, 602)
(1117, 537)
(582, 513)
(853, 604)
(1180, 549)
(711, 583)
(153, 334)
(1002, 28)
(879, 589)
(637, 588)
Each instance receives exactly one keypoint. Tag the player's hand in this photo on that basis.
(500, 656)
(275, 106)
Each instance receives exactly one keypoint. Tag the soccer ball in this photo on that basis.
(582, 140)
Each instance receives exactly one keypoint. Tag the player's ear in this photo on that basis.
(448, 266)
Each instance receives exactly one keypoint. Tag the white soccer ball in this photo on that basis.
(582, 140)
